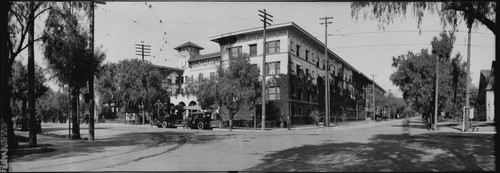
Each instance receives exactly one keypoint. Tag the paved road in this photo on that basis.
(369, 147)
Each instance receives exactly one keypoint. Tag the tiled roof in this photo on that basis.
(187, 44)
(206, 56)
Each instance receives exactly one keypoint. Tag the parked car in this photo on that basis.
(199, 120)
(168, 121)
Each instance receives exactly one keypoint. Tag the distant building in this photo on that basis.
(486, 95)
(194, 67)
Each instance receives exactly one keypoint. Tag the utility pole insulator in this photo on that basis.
(142, 50)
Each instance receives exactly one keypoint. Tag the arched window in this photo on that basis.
(192, 103)
(181, 104)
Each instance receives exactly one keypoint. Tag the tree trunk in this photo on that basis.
(91, 111)
(7, 111)
(289, 122)
(24, 125)
(31, 76)
(231, 115)
(75, 131)
(6, 74)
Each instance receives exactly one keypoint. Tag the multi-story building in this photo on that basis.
(195, 67)
(486, 95)
(292, 51)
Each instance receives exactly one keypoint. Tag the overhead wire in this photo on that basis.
(150, 7)
(417, 44)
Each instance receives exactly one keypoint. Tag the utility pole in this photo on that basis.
(142, 50)
(265, 20)
(434, 125)
(467, 86)
(91, 77)
(373, 94)
(327, 72)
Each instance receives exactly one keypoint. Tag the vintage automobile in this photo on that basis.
(199, 120)
(169, 121)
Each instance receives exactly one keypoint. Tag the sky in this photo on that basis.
(365, 46)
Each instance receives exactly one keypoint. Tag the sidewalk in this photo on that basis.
(320, 126)
(480, 127)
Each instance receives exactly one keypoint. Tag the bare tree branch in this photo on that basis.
(475, 14)
(50, 8)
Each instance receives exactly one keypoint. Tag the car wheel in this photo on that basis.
(164, 124)
(200, 125)
(184, 125)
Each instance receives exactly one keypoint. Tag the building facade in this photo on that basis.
(486, 96)
(290, 50)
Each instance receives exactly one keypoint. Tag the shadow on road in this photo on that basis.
(413, 124)
(425, 152)
(120, 144)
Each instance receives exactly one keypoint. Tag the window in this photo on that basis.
(307, 55)
(212, 75)
(191, 79)
(273, 93)
(253, 49)
(272, 68)
(178, 80)
(298, 50)
(234, 52)
(298, 69)
(255, 66)
(187, 80)
(307, 72)
(169, 81)
(273, 47)
(200, 76)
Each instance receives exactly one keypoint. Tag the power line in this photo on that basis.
(202, 12)
(160, 22)
(383, 45)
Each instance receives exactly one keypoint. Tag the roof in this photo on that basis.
(167, 68)
(489, 79)
(206, 56)
(486, 73)
(302, 31)
(187, 44)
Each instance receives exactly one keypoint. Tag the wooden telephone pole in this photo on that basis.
(265, 20)
(327, 72)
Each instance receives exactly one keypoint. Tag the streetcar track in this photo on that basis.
(153, 155)
(162, 140)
